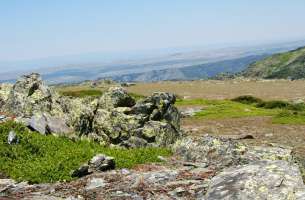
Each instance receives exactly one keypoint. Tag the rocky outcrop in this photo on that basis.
(5, 90)
(29, 95)
(278, 180)
(114, 118)
(220, 153)
(115, 97)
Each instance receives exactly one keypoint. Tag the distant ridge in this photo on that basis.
(286, 65)
(202, 71)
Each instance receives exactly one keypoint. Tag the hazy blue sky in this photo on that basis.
(41, 28)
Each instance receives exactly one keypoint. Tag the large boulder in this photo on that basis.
(47, 124)
(136, 126)
(114, 118)
(278, 180)
(29, 95)
(159, 133)
(5, 90)
(159, 106)
(221, 153)
(116, 97)
(115, 126)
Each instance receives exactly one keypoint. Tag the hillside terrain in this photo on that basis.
(279, 66)
(104, 140)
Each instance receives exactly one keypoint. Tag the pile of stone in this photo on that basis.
(114, 118)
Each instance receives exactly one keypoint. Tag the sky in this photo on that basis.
(32, 29)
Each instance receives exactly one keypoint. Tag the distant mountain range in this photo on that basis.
(194, 72)
(169, 64)
(283, 65)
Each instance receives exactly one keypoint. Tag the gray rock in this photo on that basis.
(159, 106)
(46, 124)
(12, 138)
(29, 95)
(38, 123)
(278, 180)
(222, 152)
(5, 90)
(101, 162)
(160, 133)
(95, 183)
(56, 125)
(81, 171)
(134, 142)
(116, 97)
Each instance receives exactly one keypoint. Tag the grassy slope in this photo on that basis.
(284, 65)
(221, 109)
(39, 158)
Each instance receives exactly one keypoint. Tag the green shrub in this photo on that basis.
(247, 99)
(274, 104)
(39, 158)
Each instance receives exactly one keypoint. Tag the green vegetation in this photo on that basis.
(269, 104)
(39, 158)
(81, 93)
(283, 65)
(247, 99)
(219, 109)
(246, 106)
(289, 117)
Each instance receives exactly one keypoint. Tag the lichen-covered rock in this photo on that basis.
(46, 124)
(212, 151)
(116, 97)
(114, 118)
(135, 142)
(101, 163)
(271, 180)
(29, 95)
(159, 106)
(115, 125)
(5, 90)
(159, 133)
(223, 152)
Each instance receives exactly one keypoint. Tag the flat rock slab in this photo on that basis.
(278, 180)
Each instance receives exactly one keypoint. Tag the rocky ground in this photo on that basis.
(202, 167)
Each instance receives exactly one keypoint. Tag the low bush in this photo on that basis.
(274, 104)
(247, 99)
(38, 158)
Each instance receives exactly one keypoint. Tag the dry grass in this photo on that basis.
(267, 90)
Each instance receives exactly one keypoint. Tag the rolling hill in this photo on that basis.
(279, 66)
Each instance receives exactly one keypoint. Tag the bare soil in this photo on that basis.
(265, 89)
